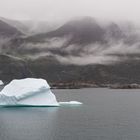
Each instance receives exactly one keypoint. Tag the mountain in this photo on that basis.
(37, 27)
(78, 33)
(82, 31)
(8, 31)
(81, 51)
(101, 75)
(13, 68)
(79, 38)
(114, 32)
(30, 27)
(16, 24)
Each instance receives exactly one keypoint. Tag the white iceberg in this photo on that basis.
(28, 92)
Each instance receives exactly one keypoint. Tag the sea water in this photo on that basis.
(106, 114)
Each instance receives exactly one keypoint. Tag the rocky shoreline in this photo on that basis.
(72, 85)
(89, 85)
(125, 86)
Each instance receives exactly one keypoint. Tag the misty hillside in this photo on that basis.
(81, 51)
(29, 27)
(13, 68)
(36, 27)
(16, 24)
(8, 31)
(73, 38)
(79, 38)
(83, 31)
(55, 72)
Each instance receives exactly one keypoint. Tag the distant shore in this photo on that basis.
(72, 85)
(125, 86)
(89, 85)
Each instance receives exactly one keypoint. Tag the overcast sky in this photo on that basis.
(65, 9)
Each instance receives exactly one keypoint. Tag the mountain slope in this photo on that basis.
(13, 68)
(80, 51)
(83, 31)
(29, 27)
(55, 72)
(8, 31)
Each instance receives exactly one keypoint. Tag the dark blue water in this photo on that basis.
(105, 115)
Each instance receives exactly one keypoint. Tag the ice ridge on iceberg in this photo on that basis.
(28, 92)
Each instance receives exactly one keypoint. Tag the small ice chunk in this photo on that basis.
(71, 103)
(29, 91)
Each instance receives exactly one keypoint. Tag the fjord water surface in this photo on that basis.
(106, 114)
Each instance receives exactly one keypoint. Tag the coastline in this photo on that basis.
(89, 85)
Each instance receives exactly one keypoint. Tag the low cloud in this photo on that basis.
(65, 52)
(102, 54)
(96, 53)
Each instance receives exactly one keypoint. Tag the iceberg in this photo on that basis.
(28, 92)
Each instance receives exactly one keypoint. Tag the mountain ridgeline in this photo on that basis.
(82, 52)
